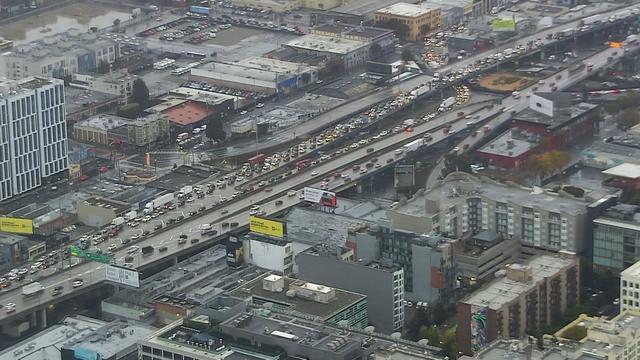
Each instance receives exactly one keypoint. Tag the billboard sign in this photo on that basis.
(93, 256)
(321, 197)
(234, 251)
(503, 25)
(541, 105)
(123, 276)
(266, 226)
(16, 226)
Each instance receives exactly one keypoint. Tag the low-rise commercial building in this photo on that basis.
(384, 38)
(281, 6)
(306, 300)
(107, 130)
(97, 212)
(10, 245)
(351, 53)
(527, 297)
(511, 149)
(83, 103)
(249, 77)
(326, 265)
(59, 55)
(463, 203)
(80, 337)
(264, 335)
(419, 20)
(118, 82)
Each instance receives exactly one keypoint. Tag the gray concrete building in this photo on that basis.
(328, 265)
(463, 203)
(305, 299)
(616, 238)
(479, 256)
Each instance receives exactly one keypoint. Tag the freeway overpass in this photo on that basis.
(382, 94)
(237, 211)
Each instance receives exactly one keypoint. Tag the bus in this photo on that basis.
(180, 71)
(196, 54)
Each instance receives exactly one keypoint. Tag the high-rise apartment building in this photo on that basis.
(528, 297)
(33, 133)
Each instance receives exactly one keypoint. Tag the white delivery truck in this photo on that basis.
(32, 289)
(158, 203)
(413, 146)
(447, 103)
(118, 221)
(131, 215)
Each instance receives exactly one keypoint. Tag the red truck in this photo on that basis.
(257, 159)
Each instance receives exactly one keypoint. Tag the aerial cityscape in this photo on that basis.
(320, 179)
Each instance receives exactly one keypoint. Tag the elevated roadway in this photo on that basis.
(237, 211)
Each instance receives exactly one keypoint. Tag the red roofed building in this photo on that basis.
(187, 115)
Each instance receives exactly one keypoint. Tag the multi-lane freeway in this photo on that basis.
(237, 211)
(381, 94)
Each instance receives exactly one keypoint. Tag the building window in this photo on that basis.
(554, 235)
(527, 230)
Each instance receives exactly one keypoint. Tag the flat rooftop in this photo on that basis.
(328, 44)
(512, 143)
(561, 115)
(103, 122)
(25, 85)
(187, 113)
(241, 74)
(343, 299)
(626, 170)
(403, 9)
(77, 99)
(345, 30)
(80, 333)
(117, 206)
(632, 271)
(362, 8)
(461, 185)
(275, 65)
(203, 95)
(503, 290)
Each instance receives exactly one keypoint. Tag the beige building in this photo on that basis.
(118, 82)
(420, 20)
(96, 130)
(525, 298)
(148, 130)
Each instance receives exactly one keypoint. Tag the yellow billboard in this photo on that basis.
(266, 226)
(503, 25)
(16, 226)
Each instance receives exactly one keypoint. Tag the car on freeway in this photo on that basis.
(10, 307)
(162, 249)
(77, 283)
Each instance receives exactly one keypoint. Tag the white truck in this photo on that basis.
(595, 19)
(413, 146)
(205, 229)
(32, 289)
(118, 221)
(158, 203)
(409, 123)
(131, 215)
(419, 91)
(447, 103)
(186, 190)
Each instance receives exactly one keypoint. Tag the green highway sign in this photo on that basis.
(93, 256)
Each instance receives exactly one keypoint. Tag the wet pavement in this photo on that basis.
(81, 16)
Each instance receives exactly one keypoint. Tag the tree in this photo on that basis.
(215, 129)
(455, 162)
(139, 92)
(628, 118)
(407, 55)
(116, 22)
(130, 110)
(547, 163)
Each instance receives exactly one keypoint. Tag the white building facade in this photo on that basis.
(630, 288)
(33, 134)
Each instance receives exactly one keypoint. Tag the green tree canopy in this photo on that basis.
(139, 92)
(215, 129)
